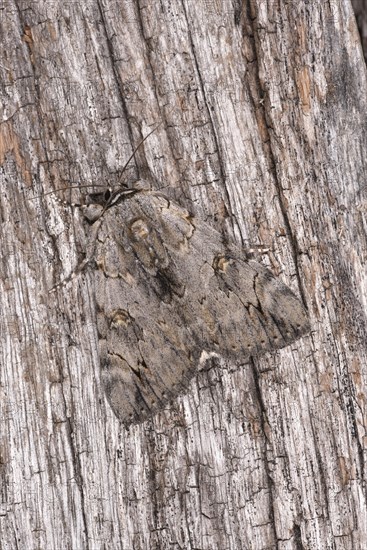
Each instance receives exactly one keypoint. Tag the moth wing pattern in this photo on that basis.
(169, 291)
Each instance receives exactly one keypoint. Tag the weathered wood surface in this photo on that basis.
(264, 136)
(360, 11)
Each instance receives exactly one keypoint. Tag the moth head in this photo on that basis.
(98, 203)
(92, 212)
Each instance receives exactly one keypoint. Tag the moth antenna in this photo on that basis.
(138, 146)
(65, 189)
(96, 185)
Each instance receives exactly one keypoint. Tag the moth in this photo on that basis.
(169, 294)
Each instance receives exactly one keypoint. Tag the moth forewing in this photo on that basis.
(168, 293)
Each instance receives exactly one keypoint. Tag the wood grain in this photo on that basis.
(263, 136)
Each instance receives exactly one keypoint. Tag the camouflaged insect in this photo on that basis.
(168, 293)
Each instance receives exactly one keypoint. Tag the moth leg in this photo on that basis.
(89, 257)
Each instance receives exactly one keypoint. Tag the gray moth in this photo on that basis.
(170, 293)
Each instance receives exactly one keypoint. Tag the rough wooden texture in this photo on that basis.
(360, 11)
(264, 136)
